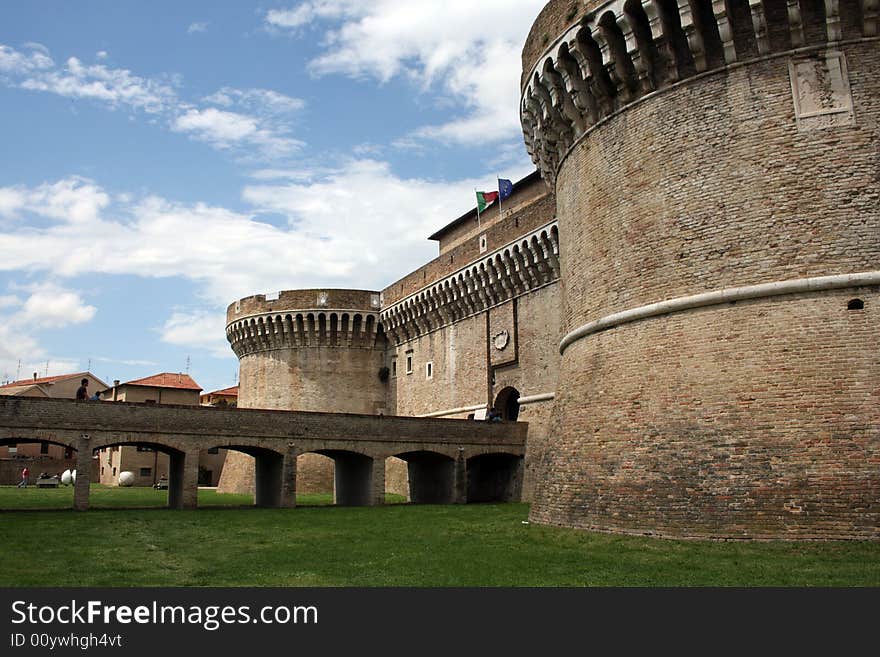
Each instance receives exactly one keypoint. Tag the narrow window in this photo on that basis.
(409, 363)
(429, 370)
(483, 243)
(145, 472)
(393, 367)
(44, 448)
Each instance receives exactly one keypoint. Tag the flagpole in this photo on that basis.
(500, 211)
(478, 206)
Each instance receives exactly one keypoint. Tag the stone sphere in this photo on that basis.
(126, 478)
(73, 476)
(66, 478)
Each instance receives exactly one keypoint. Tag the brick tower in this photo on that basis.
(716, 166)
(305, 350)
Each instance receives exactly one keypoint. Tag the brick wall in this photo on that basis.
(754, 419)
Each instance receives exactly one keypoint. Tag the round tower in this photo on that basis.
(717, 174)
(305, 350)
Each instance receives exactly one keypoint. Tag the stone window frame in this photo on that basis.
(409, 361)
(429, 370)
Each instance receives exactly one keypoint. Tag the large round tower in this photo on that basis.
(305, 350)
(717, 174)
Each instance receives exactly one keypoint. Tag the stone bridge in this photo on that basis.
(449, 461)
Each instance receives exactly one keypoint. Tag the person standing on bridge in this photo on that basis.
(82, 393)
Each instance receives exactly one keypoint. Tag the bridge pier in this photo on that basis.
(83, 473)
(460, 479)
(183, 479)
(288, 479)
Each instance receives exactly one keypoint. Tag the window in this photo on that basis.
(855, 304)
(213, 450)
(145, 472)
(44, 448)
(13, 448)
(409, 362)
(114, 472)
(429, 370)
(394, 366)
(484, 245)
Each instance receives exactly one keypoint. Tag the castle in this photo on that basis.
(682, 305)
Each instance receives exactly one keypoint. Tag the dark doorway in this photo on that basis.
(507, 403)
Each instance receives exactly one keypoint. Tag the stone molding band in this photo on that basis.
(535, 399)
(726, 295)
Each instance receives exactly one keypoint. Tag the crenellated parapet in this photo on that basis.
(258, 324)
(608, 55)
(515, 269)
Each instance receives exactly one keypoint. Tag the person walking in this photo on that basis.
(24, 478)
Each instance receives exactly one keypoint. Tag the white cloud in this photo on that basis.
(46, 306)
(360, 226)
(16, 62)
(115, 87)
(470, 49)
(200, 329)
(306, 12)
(262, 101)
(197, 27)
(51, 306)
(223, 130)
(257, 125)
(101, 54)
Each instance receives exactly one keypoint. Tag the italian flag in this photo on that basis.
(485, 199)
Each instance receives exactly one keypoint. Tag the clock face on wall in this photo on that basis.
(322, 299)
(500, 340)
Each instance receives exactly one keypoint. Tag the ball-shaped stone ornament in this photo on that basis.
(126, 478)
(66, 478)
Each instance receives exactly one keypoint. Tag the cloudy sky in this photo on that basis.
(162, 159)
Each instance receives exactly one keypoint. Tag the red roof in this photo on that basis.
(167, 380)
(226, 392)
(49, 379)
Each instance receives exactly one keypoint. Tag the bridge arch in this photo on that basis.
(431, 476)
(494, 477)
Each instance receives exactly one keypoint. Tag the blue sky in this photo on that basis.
(162, 159)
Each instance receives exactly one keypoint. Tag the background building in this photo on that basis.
(147, 464)
(42, 457)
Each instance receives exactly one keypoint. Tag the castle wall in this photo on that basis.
(753, 416)
(498, 232)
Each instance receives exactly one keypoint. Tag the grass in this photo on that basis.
(395, 545)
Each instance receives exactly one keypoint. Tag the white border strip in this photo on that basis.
(534, 399)
(455, 411)
(721, 296)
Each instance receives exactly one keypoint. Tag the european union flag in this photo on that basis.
(505, 188)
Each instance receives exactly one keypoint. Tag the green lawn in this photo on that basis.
(395, 545)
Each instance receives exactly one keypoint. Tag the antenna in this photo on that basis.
(47, 368)
(18, 371)
(187, 364)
